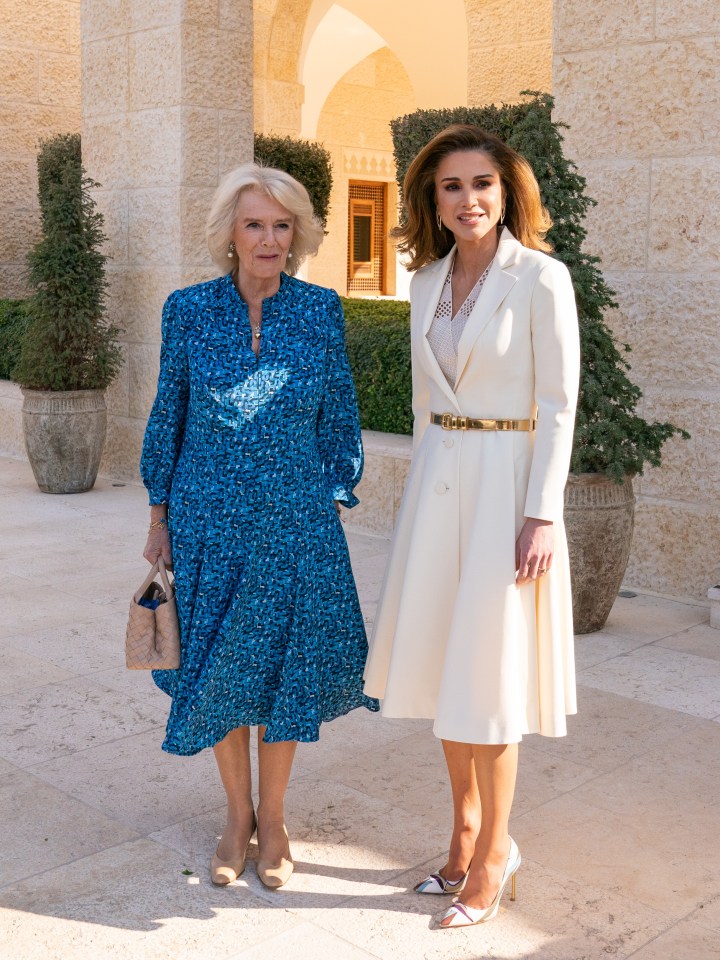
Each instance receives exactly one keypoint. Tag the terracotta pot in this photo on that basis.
(64, 437)
(599, 518)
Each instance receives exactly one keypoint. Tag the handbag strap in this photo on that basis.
(157, 568)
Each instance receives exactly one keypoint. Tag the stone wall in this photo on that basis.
(167, 109)
(509, 48)
(639, 84)
(39, 97)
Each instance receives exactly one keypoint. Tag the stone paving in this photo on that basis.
(106, 840)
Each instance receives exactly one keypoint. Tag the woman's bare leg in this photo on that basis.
(275, 762)
(496, 772)
(232, 755)
(466, 808)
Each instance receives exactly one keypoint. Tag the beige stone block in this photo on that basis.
(13, 280)
(692, 17)
(18, 182)
(12, 438)
(41, 25)
(143, 362)
(199, 154)
(100, 19)
(105, 76)
(235, 138)
(617, 226)
(154, 226)
(579, 25)
(123, 446)
(113, 205)
(282, 108)
(19, 75)
(21, 131)
(216, 66)
(105, 150)
(674, 548)
(376, 492)
(670, 320)
(502, 72)
(194, 207)
(493, 20)
(19, 232)
(239, 15)
(390, 74)
(136, 296)
(683, 234)
(154, 153)
(159, 13)
(118, 393)
(639, 100)
(690, 468)
(362, 74)
(60, 79)
(155, 58)
(204, 12)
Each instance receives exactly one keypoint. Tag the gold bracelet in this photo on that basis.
(162, 522)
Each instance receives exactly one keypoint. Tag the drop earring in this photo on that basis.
(438, 218)
(231, 250)
(289, 256)
(502, 215)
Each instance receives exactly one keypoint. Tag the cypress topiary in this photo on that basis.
(309, 163)
(610, 437)
(68, 344)
(14, 320)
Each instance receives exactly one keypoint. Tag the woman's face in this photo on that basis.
(262, 235)
(469, 194)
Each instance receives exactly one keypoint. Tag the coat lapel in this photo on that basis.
(498, 284)
(430, 299)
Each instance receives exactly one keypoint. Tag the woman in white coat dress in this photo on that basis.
(474, 625)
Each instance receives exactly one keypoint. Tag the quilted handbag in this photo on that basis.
(152, 639)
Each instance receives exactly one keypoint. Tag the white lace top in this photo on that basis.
(445, 331)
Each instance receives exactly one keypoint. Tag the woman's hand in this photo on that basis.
(158, 544)
(534, 550)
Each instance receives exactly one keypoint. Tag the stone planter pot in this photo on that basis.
(599, 518)
(64, 437)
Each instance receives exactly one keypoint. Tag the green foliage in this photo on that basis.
(309, 163)
(14, 320)
(377, 333)
(610, 437)
(69, 345)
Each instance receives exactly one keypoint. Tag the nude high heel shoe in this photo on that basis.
(274, 875)
(223, 872)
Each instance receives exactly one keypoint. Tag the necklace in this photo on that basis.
(255, 331)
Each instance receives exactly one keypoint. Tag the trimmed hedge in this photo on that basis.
(377, 333)
(309, 163)
(610, 437)
(14, 321)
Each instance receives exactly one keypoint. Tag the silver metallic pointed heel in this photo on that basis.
(460, 915)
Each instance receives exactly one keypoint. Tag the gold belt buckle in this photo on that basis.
(452, 422)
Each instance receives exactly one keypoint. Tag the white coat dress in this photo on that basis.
(455, 639)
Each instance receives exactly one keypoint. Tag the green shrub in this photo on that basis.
(610, 437)
(308, 162)
(14, 320)
(377, 333)
(68, 345)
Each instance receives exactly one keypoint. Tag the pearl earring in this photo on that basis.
(231, 250)
(289, 256)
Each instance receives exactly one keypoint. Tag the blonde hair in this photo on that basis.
(307, 229)
(525, 216)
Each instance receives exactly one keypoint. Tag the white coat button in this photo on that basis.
(441, 487)
(449, 442)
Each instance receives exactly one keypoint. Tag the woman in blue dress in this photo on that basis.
(252, 445)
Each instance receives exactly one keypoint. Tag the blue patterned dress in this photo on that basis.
(249, 454)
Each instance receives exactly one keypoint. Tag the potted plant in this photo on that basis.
(69, 353)
(612, 442)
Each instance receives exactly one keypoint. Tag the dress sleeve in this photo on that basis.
(338, 423)
(556, 351)
(166, 424)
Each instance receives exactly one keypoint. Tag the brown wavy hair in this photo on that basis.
(525, 216)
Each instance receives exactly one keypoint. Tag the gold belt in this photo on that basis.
(450, 421)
